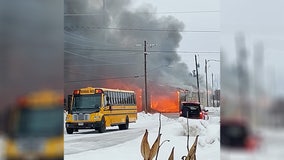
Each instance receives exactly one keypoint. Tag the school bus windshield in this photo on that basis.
(38, 122)
(89, 103)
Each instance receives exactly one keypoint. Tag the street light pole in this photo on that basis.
(206, 70)
(207, 99)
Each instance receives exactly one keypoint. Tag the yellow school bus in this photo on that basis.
(35, 127)
(98, 108)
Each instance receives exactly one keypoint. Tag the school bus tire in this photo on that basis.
(124, 126)
(102, 127)
(69, 130)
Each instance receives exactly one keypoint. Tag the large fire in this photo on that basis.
(161, 98)
(167, 103)
(164, 99)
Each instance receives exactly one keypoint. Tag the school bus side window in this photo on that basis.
(134, 98)
(110, 98)
(124, 98)
(130, 98)
(120, 97)
(115, 98)
(127, 98)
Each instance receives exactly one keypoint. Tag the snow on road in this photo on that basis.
(125, 144)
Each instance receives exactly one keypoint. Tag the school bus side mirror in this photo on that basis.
(65, 102)
(69, 100)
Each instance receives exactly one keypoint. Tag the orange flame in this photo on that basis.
(167, 102)
(161, 98)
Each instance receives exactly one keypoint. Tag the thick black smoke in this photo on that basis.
(101, 40)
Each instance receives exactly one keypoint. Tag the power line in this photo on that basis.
(139, 51)
(107, 50)
(89, 65)
(138, 29)
(122, 77)
(98, 79)
(173, 12)
(77, 44)
(86, 57)
(80, 37)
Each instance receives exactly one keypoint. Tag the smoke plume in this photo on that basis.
(101, 40)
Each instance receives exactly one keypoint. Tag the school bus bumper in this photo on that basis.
(83, 125)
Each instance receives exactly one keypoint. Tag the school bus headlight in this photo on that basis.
(68, 118)
(10, 149)
(54, 147)
(97, 117)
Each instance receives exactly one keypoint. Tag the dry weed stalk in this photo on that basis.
(147, 152)
(171, 157)
(192, 152)
(145, 148)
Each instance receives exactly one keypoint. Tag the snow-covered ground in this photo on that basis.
(125, 145)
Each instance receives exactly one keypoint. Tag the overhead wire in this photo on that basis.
(139, 51)
(138, 29)
(169, 12)
(99, 79)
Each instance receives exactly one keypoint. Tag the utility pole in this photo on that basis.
(206, 82)
(197, 79)
(145, 76)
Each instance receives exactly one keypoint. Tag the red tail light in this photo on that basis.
(76, 92)
(22, 102)
(251, 143)
(98, 91)
(200, 115)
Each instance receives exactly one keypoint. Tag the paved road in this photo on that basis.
(86, 140)
(92, 140)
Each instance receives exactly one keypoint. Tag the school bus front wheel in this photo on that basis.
(102, 127)
(69, 130)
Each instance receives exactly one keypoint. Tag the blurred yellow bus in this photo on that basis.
(35, 127)
(98, 108)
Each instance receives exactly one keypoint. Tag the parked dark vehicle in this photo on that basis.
(193, 110)
(235, 134)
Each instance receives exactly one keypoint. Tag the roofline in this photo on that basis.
(109, 89)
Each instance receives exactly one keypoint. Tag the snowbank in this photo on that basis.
(195, 126)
